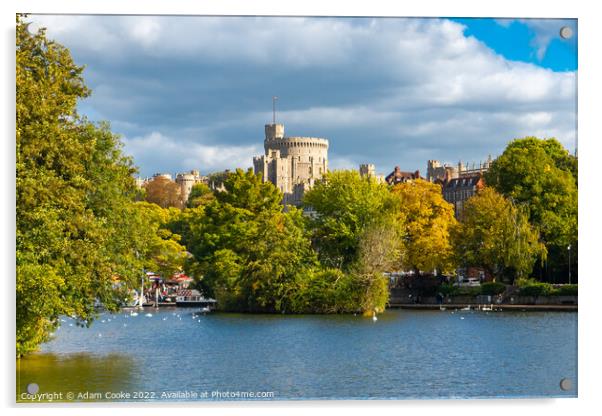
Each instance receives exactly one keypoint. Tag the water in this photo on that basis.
(405, 354)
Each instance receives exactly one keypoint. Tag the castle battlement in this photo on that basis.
(293, 163)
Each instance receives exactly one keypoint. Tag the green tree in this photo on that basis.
(497, 235)
(80, 238)
(426, 222)
(159, 248)
(542, 176)
(247, 251)
(73, 196)
(345, 205)
(200, 194)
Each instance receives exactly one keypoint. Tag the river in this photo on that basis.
(175, 355)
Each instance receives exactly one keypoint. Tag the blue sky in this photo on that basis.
(528, 40)
(195, 92)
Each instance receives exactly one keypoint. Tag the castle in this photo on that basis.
(184, 180)
(293, 164)
(436, 171)
(459, 183)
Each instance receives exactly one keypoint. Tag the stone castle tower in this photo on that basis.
(293, 164)
(187, 181)
(368, 170)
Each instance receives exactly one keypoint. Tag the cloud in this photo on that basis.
(172, 156)
(195, 92)
(544, 32)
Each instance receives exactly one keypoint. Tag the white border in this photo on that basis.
(589, 149)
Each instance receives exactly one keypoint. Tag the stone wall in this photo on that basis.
(293, 164)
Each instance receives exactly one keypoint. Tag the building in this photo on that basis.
(399, 176)
(293, 164)
(368, 170)
(435, 171)
(457, 190)
(187, 181)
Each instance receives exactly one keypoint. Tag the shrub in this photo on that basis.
(536, 289)
(565, 290)
(448, 289)
(468, 291)
(492, 288)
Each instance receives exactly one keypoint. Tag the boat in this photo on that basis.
(192, 297)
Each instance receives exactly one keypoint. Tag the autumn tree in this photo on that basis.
(541, 176)
(496, 234)
(426, 221)
(163, 192)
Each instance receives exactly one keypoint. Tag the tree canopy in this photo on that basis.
(542, 176)
(497, 235)
(79, 235)
(200, 194)
(426, 221)
(345, 205)
(163, 192)
(255, 256)
(249, 252)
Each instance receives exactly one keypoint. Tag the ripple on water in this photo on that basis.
(405, 354)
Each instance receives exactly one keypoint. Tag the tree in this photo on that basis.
(497, 235)
(73, 197)
(159, 248)
(542, 176)
(426, 221)
(247, 251)
(379, 251)
(163, 192)
(345, 206)
(200, 194)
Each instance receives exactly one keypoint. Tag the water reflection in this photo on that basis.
(405, 354)
(75, 373)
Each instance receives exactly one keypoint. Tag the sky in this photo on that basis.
(193, 92)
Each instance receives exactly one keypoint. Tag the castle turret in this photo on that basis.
(293, 164)
(274, 131)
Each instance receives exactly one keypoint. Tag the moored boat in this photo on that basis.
(192, 297)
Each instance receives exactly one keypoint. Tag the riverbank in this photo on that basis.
(504, 307)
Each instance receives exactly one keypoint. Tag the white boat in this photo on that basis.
(192, 297)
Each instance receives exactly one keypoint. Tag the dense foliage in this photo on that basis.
(79, 236)
(255, 256)
(345, 206)
(200, 194)
(492, 288)
(426, 222)
(542, 176)
(496, 235)
(532, 287)
(163, 192)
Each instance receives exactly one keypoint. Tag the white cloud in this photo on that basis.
(146, 30)
(160, 153)
(390, 91)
